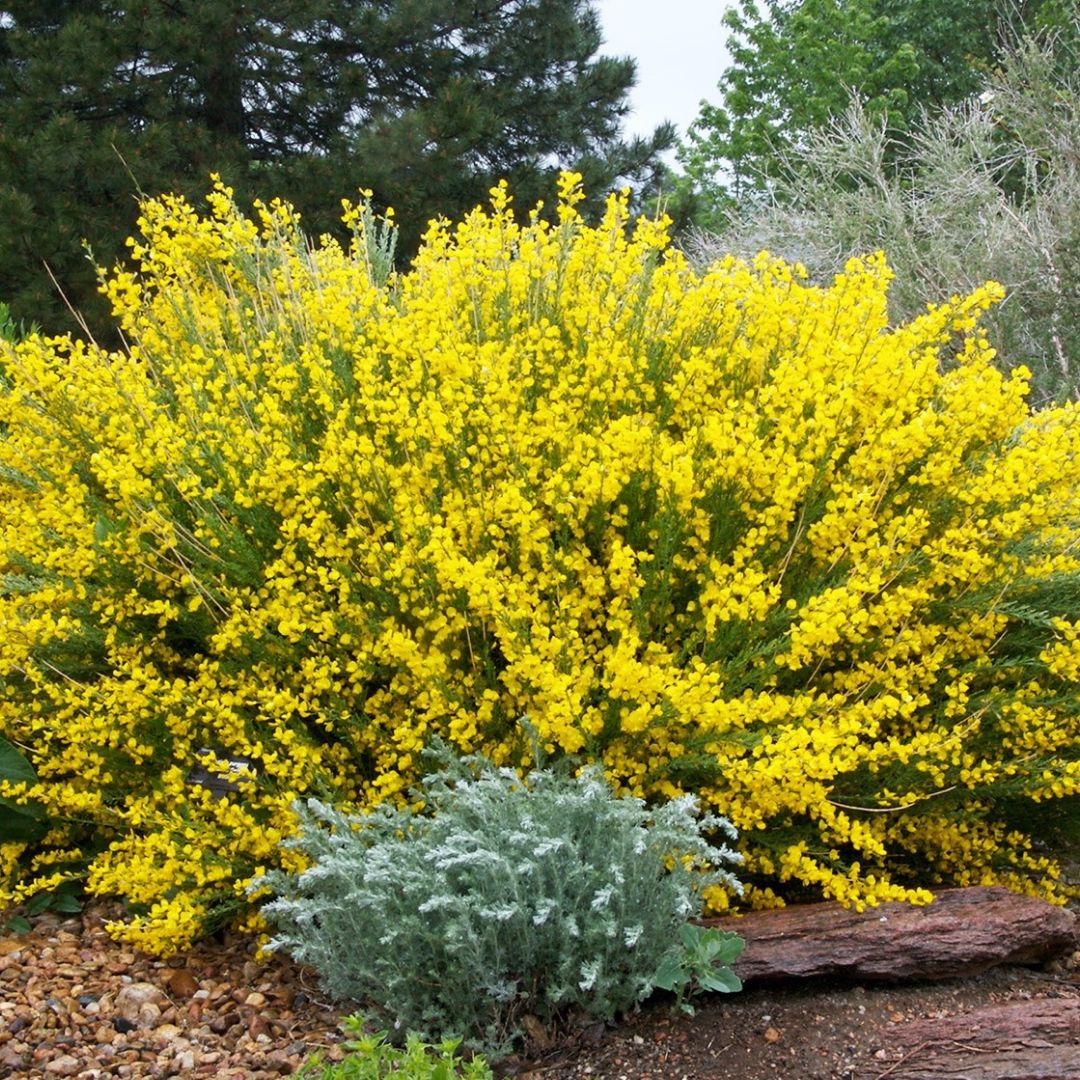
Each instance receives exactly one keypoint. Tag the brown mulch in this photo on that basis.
(74, 1003)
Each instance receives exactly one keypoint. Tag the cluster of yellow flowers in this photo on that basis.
(724, 532)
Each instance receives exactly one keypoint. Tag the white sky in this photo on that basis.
(679, 49)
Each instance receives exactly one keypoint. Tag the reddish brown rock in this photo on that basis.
(257, 1025)
(963, 932)
(182, 984)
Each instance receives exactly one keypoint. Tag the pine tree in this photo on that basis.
(427, 102)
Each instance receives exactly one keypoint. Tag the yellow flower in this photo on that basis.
(725, 532)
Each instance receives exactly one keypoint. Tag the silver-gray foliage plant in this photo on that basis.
(547, 897)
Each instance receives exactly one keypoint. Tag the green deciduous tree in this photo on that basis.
(427, 102)
(988, 189)
(795, 64)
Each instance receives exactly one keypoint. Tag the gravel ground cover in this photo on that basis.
(74, 1003)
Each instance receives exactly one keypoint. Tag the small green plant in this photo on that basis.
(508, 901)
(65, 899)
(700, 962)
(24, 821)
(10, 330)
(372, 1058)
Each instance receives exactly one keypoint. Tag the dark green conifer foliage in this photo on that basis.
(427, 102)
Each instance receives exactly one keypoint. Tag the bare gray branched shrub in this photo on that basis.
(987, 190)
(504, 900)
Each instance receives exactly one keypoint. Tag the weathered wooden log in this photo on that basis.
(1019, 1025)
(1051, 1063)
(1024, 1040)
(963, 932)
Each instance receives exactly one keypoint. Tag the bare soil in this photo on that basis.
(812, 1032)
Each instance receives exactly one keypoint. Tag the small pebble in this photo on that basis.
(149, 1014)
(66, 1065)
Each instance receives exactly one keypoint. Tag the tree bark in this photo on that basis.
(963, 932)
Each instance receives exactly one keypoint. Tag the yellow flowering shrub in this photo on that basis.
(725, 532)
